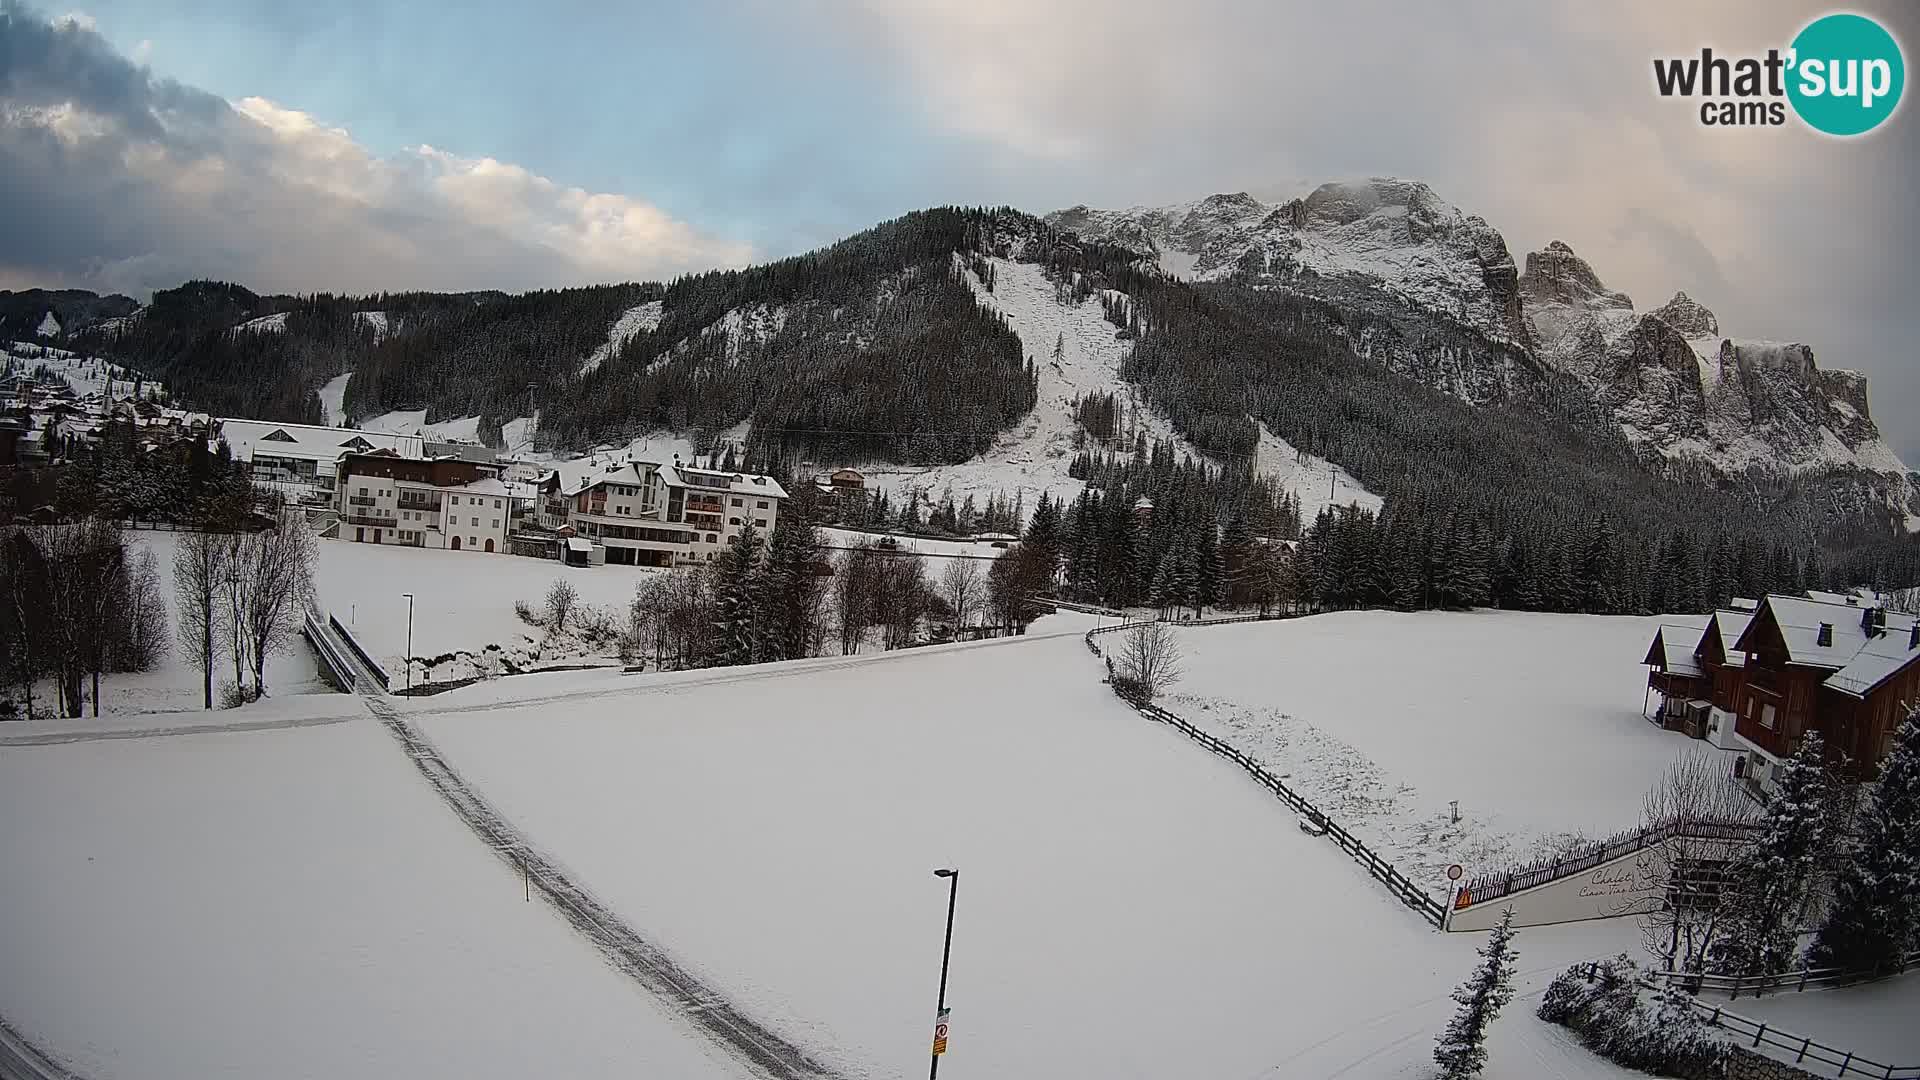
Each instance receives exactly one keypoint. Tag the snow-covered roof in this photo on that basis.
(486, 485)
(576, 543)
(743, 483)
(310, 441)
(1677, 645)
(1730, 625)
(580, 474)
(1800, 620)
(1878, 660)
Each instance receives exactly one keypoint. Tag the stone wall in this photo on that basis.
(1745, 1064)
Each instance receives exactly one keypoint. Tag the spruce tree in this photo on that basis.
(1769, 887)
(1874, 919)
(1462, 1049)
(736, 622)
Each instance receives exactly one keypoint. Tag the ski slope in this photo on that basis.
(333, 400)
(297, 904)
(1531, 721)
(1129, 904)
(1033, 456)
(633, 321)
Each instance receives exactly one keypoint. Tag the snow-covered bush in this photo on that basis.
(1606, 1005)
(525, 611)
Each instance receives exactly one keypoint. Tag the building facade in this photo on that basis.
(642, 513)
(383, 498)
(1841, 666)
(299, 460)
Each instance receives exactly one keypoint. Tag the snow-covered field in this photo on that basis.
(1532, 722)
(1129, 905)
(463, 600)
(293, 904)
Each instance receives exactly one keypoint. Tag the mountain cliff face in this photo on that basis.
(1477, 327)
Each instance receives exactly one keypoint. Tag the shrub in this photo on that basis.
(234, 695)
(1609, 1013)
(525, 611)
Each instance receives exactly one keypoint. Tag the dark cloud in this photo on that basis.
(119, 180)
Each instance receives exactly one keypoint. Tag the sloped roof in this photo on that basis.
(1729, 625)
(1673, 647)
(739, 483)
(1800, 619)
(1880, 659)
(311, 441)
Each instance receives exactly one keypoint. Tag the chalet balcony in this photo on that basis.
(371, 519)
(1760, 678)
(362, 500)
(419, 504)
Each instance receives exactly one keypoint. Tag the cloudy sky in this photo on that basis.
(360, 145)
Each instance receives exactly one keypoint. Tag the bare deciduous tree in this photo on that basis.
(199, 568)
(961, 585)
(281, 575)
(853, 596)
(1682, 925)
(1150, 657)
(561, 600)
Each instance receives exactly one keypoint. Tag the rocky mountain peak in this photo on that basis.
(1557, 275)
(1688, 316)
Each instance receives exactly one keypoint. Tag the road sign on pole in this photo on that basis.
(940, 1032)
(1454, 872)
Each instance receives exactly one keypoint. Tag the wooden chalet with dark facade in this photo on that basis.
(1843, 667)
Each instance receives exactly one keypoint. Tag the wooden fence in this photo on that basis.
(1756, 985)
(1494, 885)
(1427, 907)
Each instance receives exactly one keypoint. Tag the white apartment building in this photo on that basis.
(647, 514)
(413, 502)
(299, 459)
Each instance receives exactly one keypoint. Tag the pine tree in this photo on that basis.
(1770, 884)
(1462, 1049)
(1874, 919)
(736, 622)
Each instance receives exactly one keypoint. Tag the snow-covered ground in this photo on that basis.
(297, 904)
(1318, 482)
(86, 375)
(1532, 722)
(463, 600)
(414, 422)
(49, 326)
(376, 319)
(934, 555)
(266, 324)
(1034, 454)
(631, 321)
(1874, 1021)
(175, 685)
(333, 400)
(1130, 905)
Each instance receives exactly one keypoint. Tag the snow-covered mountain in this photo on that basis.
(1388, 234)
(1678, 384)
(1674, 382)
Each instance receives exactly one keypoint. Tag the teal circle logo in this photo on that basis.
(1847, 74)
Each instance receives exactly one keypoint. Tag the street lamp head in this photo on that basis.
(946, 871)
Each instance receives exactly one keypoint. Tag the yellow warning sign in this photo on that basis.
(940, 1032)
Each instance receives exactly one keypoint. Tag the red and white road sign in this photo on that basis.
(940, 1031)
(1454, 872)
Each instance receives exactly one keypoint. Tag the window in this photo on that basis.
(496, 504)
(1766, 717)
(733, 521)
(736, 502)
(471, 541)
(454, 499)
(760, 523)
(363, 491)
(761, 505)
(476, 523)
(496, 523)
(711, 539)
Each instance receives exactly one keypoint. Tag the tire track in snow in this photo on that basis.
(701, 1006)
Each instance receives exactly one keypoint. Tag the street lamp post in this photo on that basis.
(946, 953)
(409, 656)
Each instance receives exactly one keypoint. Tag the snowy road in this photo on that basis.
(21, 1060)
(703, 1007)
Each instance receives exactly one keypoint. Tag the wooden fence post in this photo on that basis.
(1758, 1034)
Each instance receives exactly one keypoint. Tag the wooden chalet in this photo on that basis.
(1759, 681)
